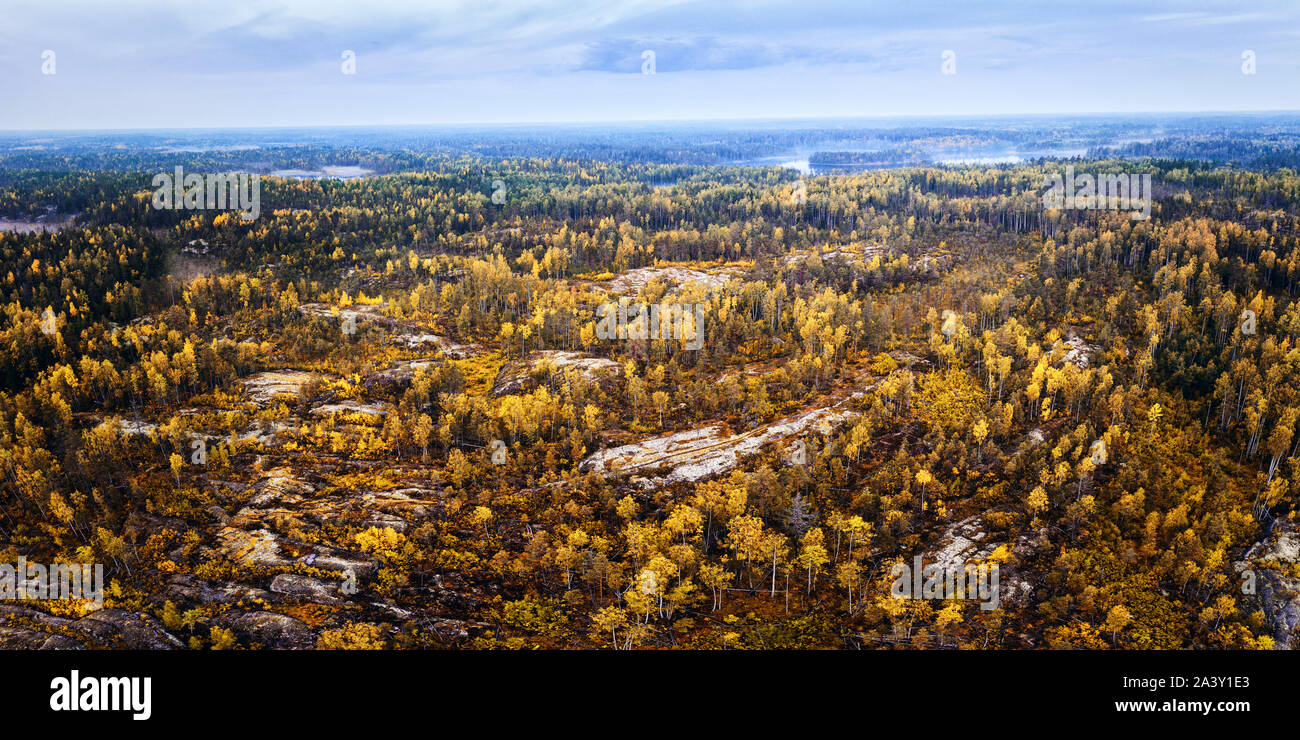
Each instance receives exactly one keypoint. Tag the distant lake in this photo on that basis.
(805, 167)
(986, 161)
(800, 162)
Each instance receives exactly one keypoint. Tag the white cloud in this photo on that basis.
(276, 62)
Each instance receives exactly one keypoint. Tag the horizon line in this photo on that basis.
(654, 121)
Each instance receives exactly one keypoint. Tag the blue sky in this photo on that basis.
(155, 64)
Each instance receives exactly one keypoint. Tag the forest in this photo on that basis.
(380, 416)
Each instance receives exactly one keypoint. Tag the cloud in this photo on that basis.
(264, 62)
(700, 53)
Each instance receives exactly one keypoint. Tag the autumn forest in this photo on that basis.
(384, 414)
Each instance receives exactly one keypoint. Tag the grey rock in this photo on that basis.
(268, 629)
(306, 587)
(1272, 560)
(61, 642)
(186, 589)
(18, 638)
(125, 629)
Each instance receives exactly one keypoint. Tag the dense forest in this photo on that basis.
(381, 415)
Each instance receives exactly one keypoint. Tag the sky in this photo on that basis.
(91, 64)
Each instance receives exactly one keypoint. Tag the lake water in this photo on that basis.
(800, 162)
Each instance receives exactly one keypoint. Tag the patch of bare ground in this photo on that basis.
(837, 254)
(263, 388)
(1078, 351)
(350, 406)
(447, 347)
(49, 222)
(281, 508)
(356, 312)
(404, 334)
(193, 261)
(1271, 565)
(518, 376)
(930, 262)
(631, 282)
(697, 454)
(970, 542)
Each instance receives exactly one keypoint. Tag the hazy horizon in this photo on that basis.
(752, 120)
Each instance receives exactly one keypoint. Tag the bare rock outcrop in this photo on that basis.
(518, 376)
(1272, 566)
(702, 453)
